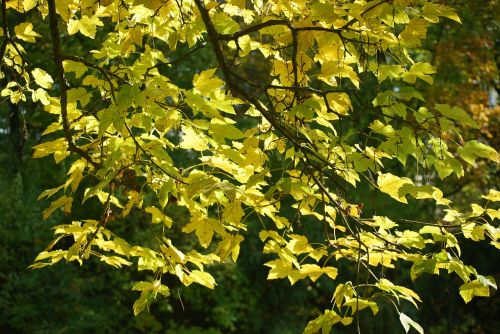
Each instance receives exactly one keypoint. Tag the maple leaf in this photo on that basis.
(86, 26)
(24, 31)
(206, 83)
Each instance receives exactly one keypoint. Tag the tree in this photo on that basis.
(333, 106)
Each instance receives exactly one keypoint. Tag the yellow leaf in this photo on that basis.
(64, 8)
(24, 31)
(204, 229)
(474, 288)
(280, 269)
(432, 11)
(62, 201)
(377, 258)
(40, 95)
(394, 186)
(73, 66)
(49, 192)
(358, 304)
(159, 217)
(29, 4)
(42, 78)
(141, 14)
(332, 69)
(414, 32)
(171, 251)
(421, 71)
(57, 147)
(428, 191)
(233, 213)
(383, 223)
(389, 71)
(407, 323)
(201, 277)
(314, 271)
(115, 261)
(325, 322)
(193, 139)
(230, 244)
(199, 183)
(79, 94)
(226, 131)
(493, 196)
(224, 24)
(205, 82)
(494, 214)
(15, 96)
(339, 103)
(86, 26)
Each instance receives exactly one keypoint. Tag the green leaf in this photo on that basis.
(456, 114)
(422, 71)
(474, 149)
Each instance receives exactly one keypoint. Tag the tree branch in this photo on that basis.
(58, 59)
(251, 29)
(6, 31)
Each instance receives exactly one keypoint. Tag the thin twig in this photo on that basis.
(102, 223)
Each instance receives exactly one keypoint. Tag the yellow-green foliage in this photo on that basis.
(121, 120)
